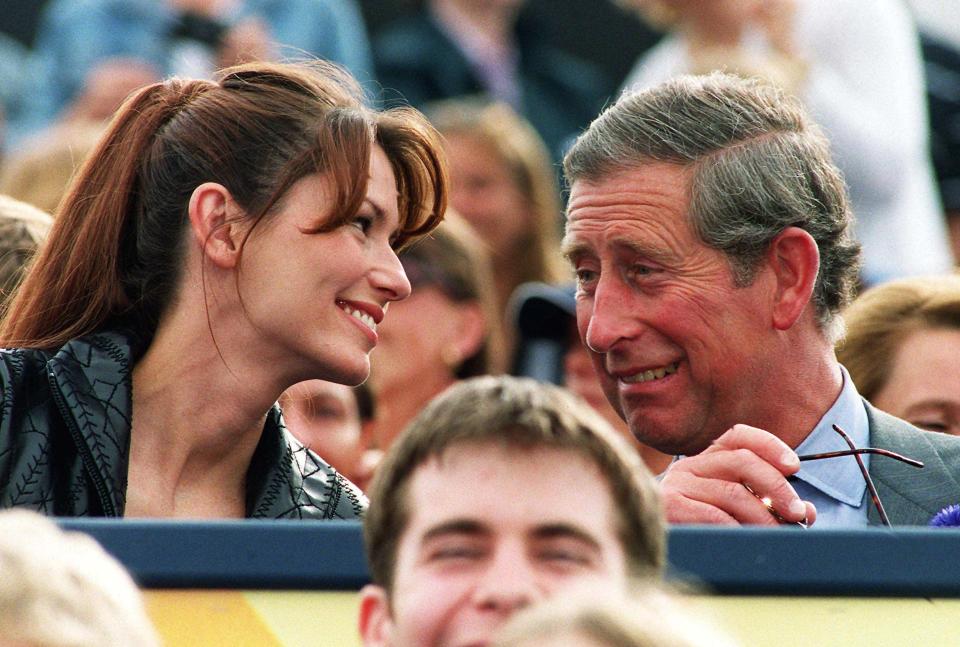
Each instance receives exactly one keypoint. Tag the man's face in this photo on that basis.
(491, 530)
(678, 348)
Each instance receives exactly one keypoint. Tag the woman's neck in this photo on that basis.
(195, 425)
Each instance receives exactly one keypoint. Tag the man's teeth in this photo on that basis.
(362, 316)
(652, 374)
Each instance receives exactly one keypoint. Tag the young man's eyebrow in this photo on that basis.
(455, 527)
(565, 531)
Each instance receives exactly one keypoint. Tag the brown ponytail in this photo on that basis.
(115, 253)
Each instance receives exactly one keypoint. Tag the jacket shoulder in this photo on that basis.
(26, 430)
(913, 495)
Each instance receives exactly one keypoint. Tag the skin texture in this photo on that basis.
(496, 537)
(651, 296)
(923, 384)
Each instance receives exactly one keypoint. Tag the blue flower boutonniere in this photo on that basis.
(949, 517)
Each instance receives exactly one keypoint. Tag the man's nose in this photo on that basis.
(508, 584)
(610, 316)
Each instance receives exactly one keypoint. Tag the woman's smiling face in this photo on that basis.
(316, 298)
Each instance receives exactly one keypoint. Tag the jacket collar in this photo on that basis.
(91, 377)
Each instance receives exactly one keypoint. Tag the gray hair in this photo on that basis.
(759, 165)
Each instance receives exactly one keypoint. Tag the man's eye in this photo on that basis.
(564, 556)
(585, 277)
(450, 553)
(640, 270)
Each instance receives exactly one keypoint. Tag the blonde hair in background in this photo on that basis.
(22, 228)
(41, 172)
(523, 152)
(651, 617)
(880, 318)
(61, 589)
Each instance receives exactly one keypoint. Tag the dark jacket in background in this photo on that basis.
(417, 62)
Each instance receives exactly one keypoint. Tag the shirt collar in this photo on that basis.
(838, 478)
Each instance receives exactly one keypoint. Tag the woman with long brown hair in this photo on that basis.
(224, 241)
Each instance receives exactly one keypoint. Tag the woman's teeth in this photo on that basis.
(358, 314)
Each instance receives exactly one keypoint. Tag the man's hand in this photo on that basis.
(709, 488)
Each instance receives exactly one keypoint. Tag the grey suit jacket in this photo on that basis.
(910, 495)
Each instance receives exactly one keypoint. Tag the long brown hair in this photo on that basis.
(115, 253)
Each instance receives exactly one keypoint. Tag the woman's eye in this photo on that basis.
(363, 223)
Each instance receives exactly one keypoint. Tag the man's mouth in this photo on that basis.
(651, 374)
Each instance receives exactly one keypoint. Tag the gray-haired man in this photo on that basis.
(709, 230)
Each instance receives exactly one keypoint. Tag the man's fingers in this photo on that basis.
(768, 447)
(726, 498)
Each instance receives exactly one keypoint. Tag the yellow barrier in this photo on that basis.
(296, 618)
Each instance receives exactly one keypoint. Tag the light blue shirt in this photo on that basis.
(835, 485)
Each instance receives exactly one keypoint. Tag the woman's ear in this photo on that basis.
(215, 224)
(795, 260)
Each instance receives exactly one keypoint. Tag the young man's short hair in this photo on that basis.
(525, 414)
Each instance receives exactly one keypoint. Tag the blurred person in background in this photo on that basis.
(902, 349)
(446, 331)
(334, 420)
(856, 66)
(549, 349)
(13, 77)
(40, 174)
(22, 228)
(502, 183)
(61, 589)
(646, 617)
(456, 48)
(89, 54)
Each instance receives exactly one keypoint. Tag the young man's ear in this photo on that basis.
(795, 260)
(213, 221)
(374, 621)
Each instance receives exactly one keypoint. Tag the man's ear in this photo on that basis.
(795, 260)
(213, 220)
(374, 622)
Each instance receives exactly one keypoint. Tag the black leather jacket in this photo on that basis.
(65, 440)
